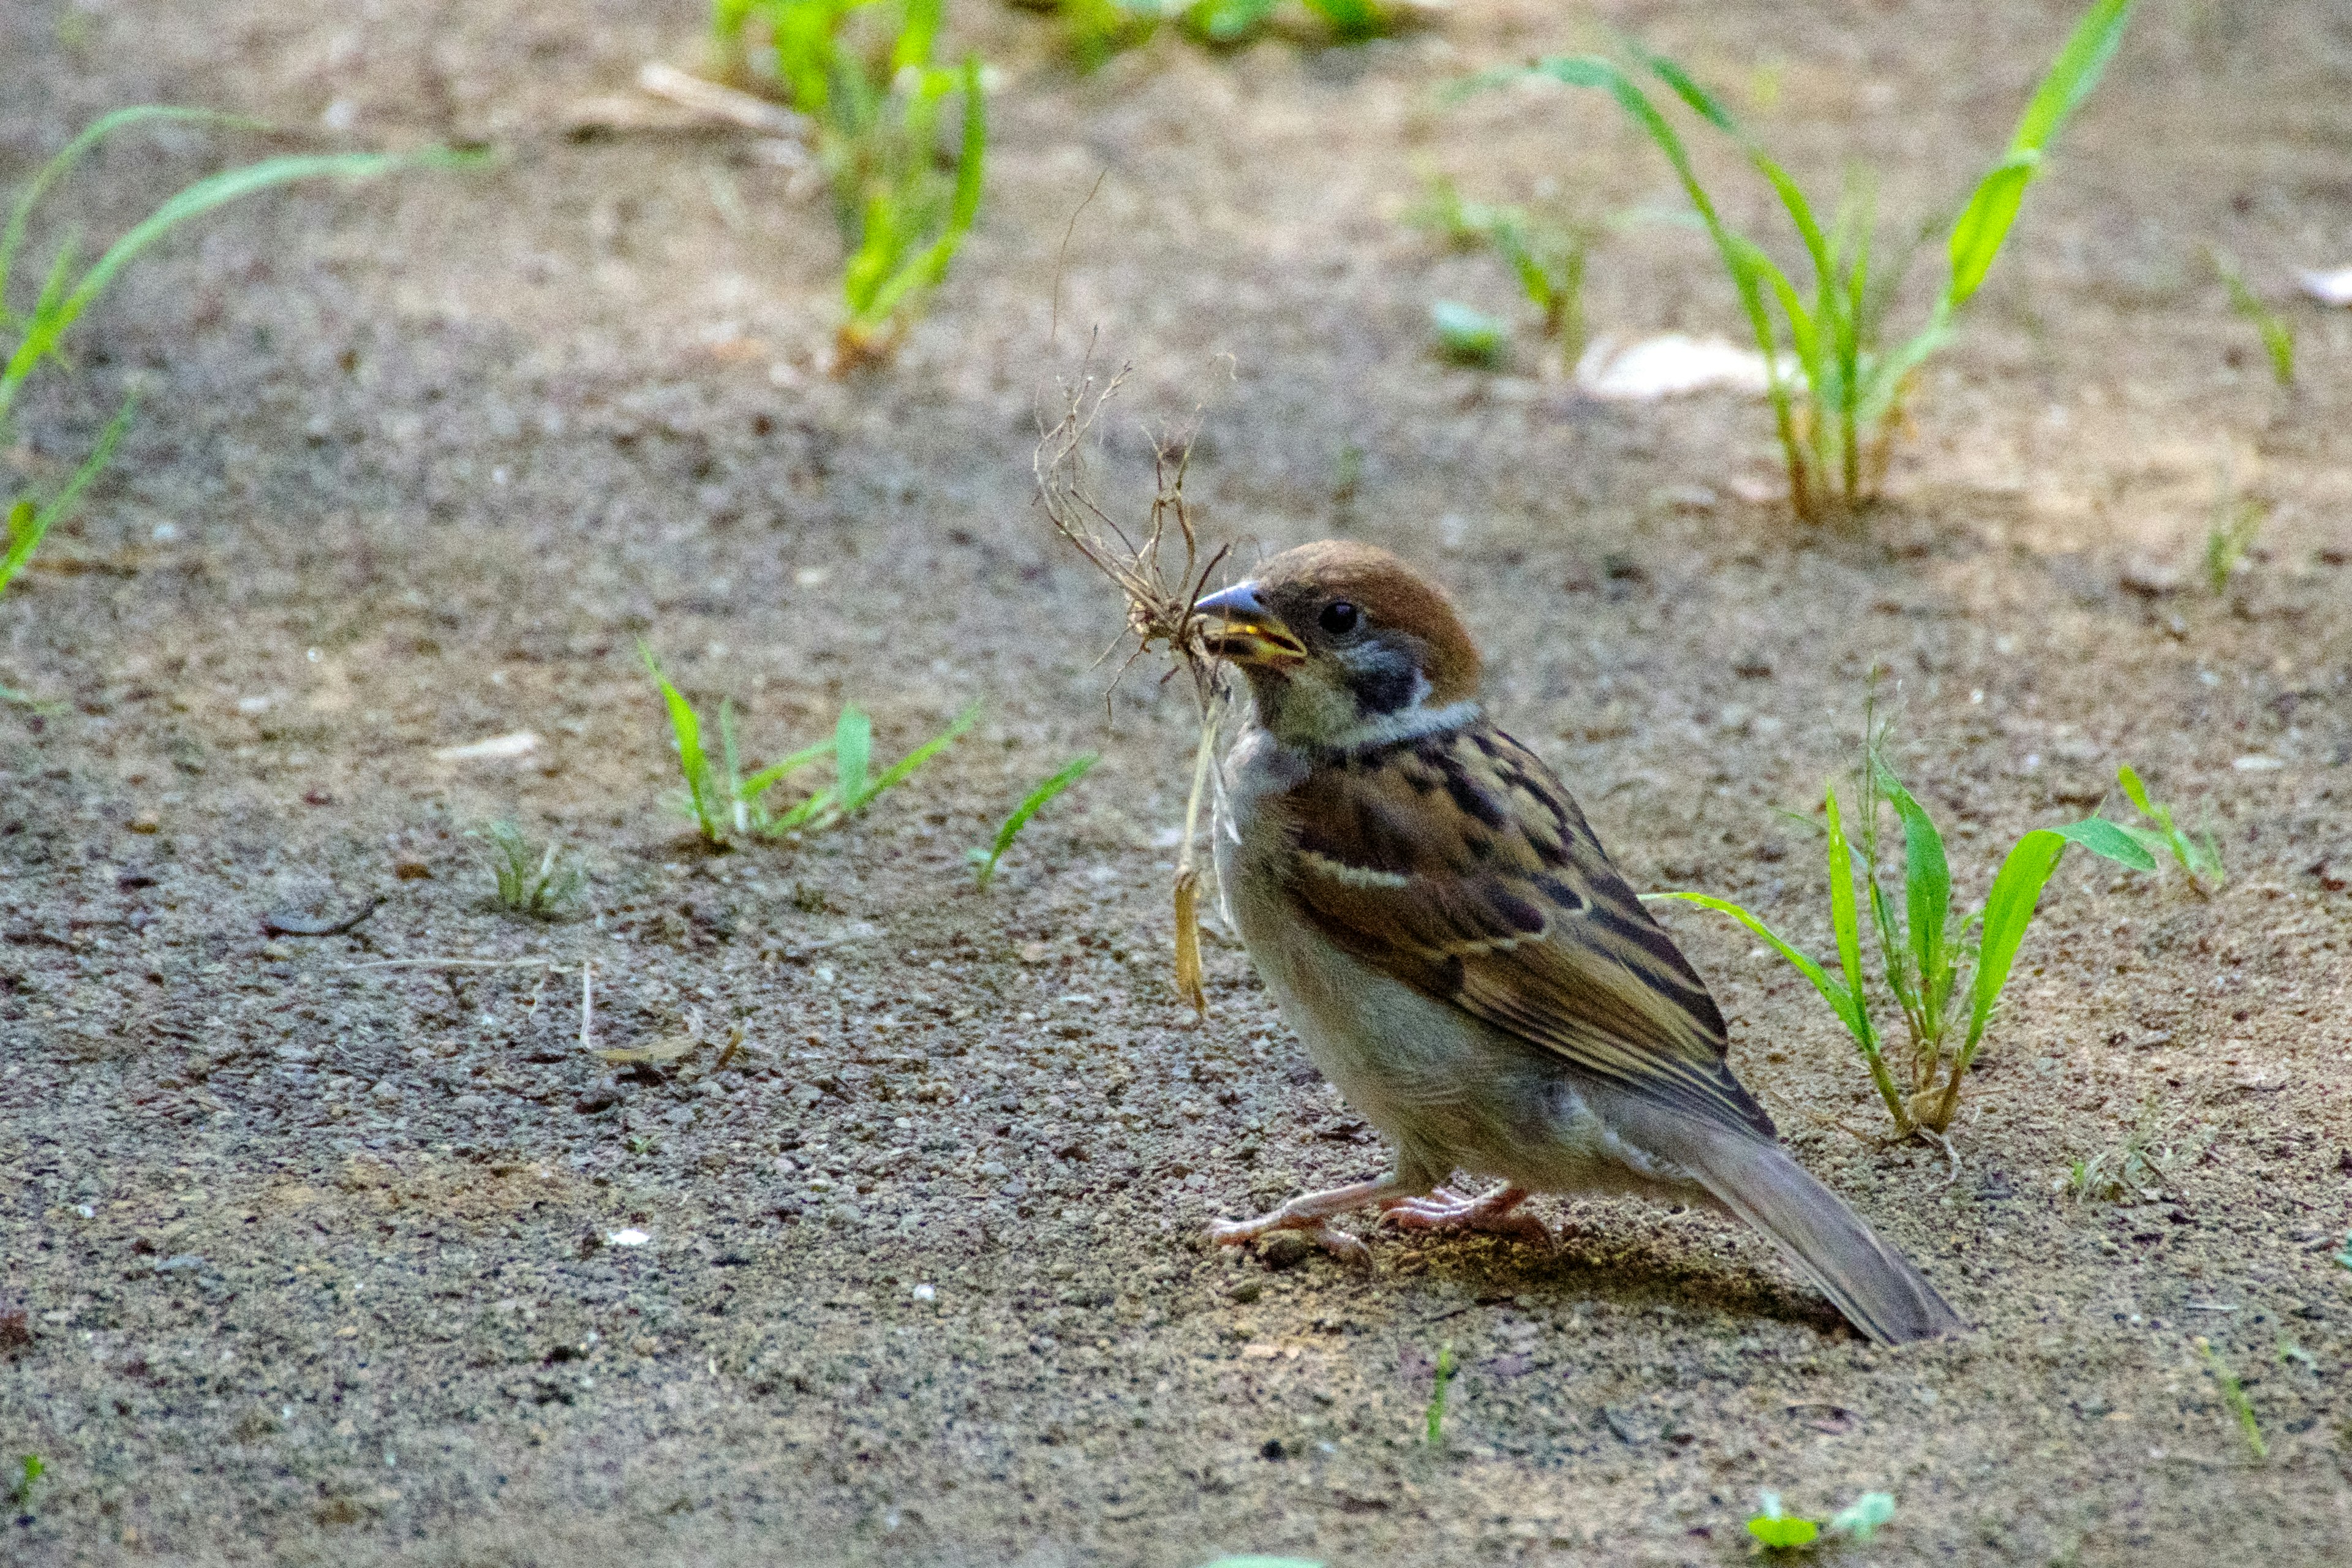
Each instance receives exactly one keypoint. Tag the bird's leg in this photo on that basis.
(1444, 1209)
(1308, 1211)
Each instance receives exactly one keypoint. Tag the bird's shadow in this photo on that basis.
(1610, 1255)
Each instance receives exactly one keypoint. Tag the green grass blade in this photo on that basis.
(685, 732)
(896, 771)
(767, 778)
(2109, 841)
(2074, 73)
(1841, 1000)
(853, 754)
(50, 326)
(1031, 805)
(12, 238)
(27, 523)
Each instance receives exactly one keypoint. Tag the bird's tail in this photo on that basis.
(1874, 1284)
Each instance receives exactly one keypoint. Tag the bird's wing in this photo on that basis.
(1457, 863)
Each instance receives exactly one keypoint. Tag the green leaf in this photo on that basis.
(2133, 791)
(853, 753)
(2008, 913)
(896, 771)
(767, 778)
(2109, 841)
(1977, 237)
(1927, 894)
(1865, 1517)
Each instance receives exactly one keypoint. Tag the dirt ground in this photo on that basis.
(306, 1261)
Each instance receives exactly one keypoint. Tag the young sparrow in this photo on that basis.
(1440, 926)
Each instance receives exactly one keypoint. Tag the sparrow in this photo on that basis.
(1438, 923)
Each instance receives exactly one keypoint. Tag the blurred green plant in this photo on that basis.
(1441, 1378)
(2278, 337)
(1775, 1529)
(1922, 950)
(1548, 256)
(30, 1469)
(2236, 523)
(984, 857)
(1836, 414)
(529, 882)
(2233, 1394)
(35, 332)
(1095, 30)
(1468, 336)
(862, 70)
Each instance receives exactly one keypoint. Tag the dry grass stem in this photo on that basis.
(1162, 599)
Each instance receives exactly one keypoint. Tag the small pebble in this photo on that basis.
(1284, 1249)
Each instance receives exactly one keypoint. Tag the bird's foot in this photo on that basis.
(1311, 1213)
(1496, 1213)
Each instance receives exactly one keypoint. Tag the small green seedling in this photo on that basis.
(1468, 336)
(1434, 1420)
(1230, 23)
(538, 883)
(863, 71)
(2237, 522)
(2199, 858)
(2278, 337)
(1547, 258)
(726, 803)
(2233, 1394)
(2344, 1260)
(29, 1471)
(1922, 949)
(36, 334)
(1837, 415)
(1777, 1530)
(984, 857)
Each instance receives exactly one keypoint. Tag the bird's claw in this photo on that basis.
(1443, 1209)
(1338, 1243)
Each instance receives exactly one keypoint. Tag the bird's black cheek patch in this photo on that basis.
(1383, 686)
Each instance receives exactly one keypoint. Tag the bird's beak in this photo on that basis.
(1241, 629)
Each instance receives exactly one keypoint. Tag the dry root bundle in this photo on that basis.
(1162, 599)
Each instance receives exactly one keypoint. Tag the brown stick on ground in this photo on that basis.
(1160, 600)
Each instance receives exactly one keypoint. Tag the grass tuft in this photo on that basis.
(2237, 522)
(1922, 950)
(727, 804)
(526, 881)
(30, 1469)
(863, 71)
(984, 857)
(1468, 336)
(1837, 415)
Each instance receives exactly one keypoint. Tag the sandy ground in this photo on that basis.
(307, 1260)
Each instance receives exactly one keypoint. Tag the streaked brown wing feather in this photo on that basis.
(1458, 864)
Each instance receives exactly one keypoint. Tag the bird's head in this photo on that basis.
(1344, 646)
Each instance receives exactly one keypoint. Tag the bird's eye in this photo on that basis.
(1339, 617)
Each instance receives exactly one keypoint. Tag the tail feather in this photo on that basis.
(1874, 1284)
